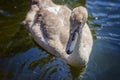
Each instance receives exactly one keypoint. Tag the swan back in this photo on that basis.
(49, 24)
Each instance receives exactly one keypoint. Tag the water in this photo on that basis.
(22, 59)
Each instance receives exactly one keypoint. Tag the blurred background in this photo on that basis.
(22, 59)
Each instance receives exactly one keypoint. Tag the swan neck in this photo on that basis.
(82, 50)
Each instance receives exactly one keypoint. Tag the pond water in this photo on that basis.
(22, 59)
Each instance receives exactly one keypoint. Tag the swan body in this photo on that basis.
(52, 27)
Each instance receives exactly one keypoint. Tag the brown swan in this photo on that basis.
(59, 30)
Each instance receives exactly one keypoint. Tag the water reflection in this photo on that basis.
(104, 61)
(20, 57)
(34, 64)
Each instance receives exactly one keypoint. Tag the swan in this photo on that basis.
(60, 31)
(80, 42)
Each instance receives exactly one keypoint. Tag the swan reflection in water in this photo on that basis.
(60, 31)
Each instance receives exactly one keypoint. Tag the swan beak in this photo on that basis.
(73, 38)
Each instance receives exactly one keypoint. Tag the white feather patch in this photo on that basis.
(54, 9)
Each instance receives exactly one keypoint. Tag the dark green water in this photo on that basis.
(22, 59)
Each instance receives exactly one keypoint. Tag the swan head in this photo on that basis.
(78, 18)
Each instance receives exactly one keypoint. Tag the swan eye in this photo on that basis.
(79, 23)
(34, 2)
(39, 13)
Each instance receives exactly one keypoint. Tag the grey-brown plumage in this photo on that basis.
(52, 27)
